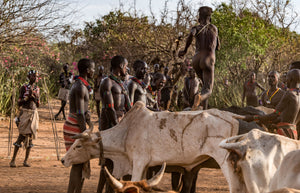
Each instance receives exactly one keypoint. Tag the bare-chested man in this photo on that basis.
(191, 88)
(115, 103)
(97, 83)
(166, 90)
(78, 117)
(286, 111)
(207, 41)
(271, 97)
(249, 91)
(153, 95)
(28, 118)
(136, 87)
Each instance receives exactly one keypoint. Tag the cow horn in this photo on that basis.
(157, 178)
(81, 135)
(226, 144)
(116, 184)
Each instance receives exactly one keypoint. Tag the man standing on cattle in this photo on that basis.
(115, 103)
(285, 114)
(271, 97)
(207, 41)
(136, 87)
(28, 118)
(249, 91)
(65, 80)
(78, 117)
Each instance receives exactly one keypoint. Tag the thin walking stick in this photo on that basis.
(11, 121)
(54, 129)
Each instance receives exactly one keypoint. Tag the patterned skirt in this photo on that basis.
(287, 129)
(70, 129)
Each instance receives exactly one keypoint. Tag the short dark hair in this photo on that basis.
(205, 11)
(116, 62)
(295, 73)
(31, 72)
(137, 63)
(275, 72)
(83, 65)
(157, 76)
(295, 65)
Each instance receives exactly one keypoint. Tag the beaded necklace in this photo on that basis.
(139, 82)
(85, 83)
(270, 98)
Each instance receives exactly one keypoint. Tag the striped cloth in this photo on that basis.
(71, 128)
(287, 129)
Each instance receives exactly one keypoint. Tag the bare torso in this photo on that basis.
(137, 92)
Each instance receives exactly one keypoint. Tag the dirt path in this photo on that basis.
(47, 174)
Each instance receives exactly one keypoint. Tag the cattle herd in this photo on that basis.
(252, 162)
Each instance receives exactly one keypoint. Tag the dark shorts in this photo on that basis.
(26, 139)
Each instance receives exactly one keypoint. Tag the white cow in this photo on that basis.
(286, 190)
(145, 138)
(288, 174)
(254, 158)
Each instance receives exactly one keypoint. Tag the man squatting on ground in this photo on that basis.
(29, 118)
(78, 118)
(207, 41)
(115, 103)
(285, 114)
(65, 80)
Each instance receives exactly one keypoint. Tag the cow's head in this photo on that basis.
(135, 187)
(85, 147)
(252, 161)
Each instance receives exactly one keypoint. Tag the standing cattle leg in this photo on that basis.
(176, 181)
(102, 179)
(76, 181)
(190, 177)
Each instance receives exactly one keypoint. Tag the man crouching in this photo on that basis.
(28, 118)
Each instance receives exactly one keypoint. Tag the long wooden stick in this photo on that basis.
(54, 129)
(11, 121)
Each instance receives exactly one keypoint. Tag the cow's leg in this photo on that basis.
(102, 179)
(75, 181)
(139, 167)
(187, 180)
(176, 180)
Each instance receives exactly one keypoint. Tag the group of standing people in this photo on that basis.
(117, 95)
(282, 96)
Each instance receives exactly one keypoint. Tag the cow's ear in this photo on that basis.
(234, 157)
(131, 189)
(239, 151)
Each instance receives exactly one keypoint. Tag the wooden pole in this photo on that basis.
(12, 114)
(54, 129)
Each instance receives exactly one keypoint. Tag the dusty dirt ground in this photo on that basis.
(47, 174)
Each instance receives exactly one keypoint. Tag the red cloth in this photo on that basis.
(70, 129)
(287, 129)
